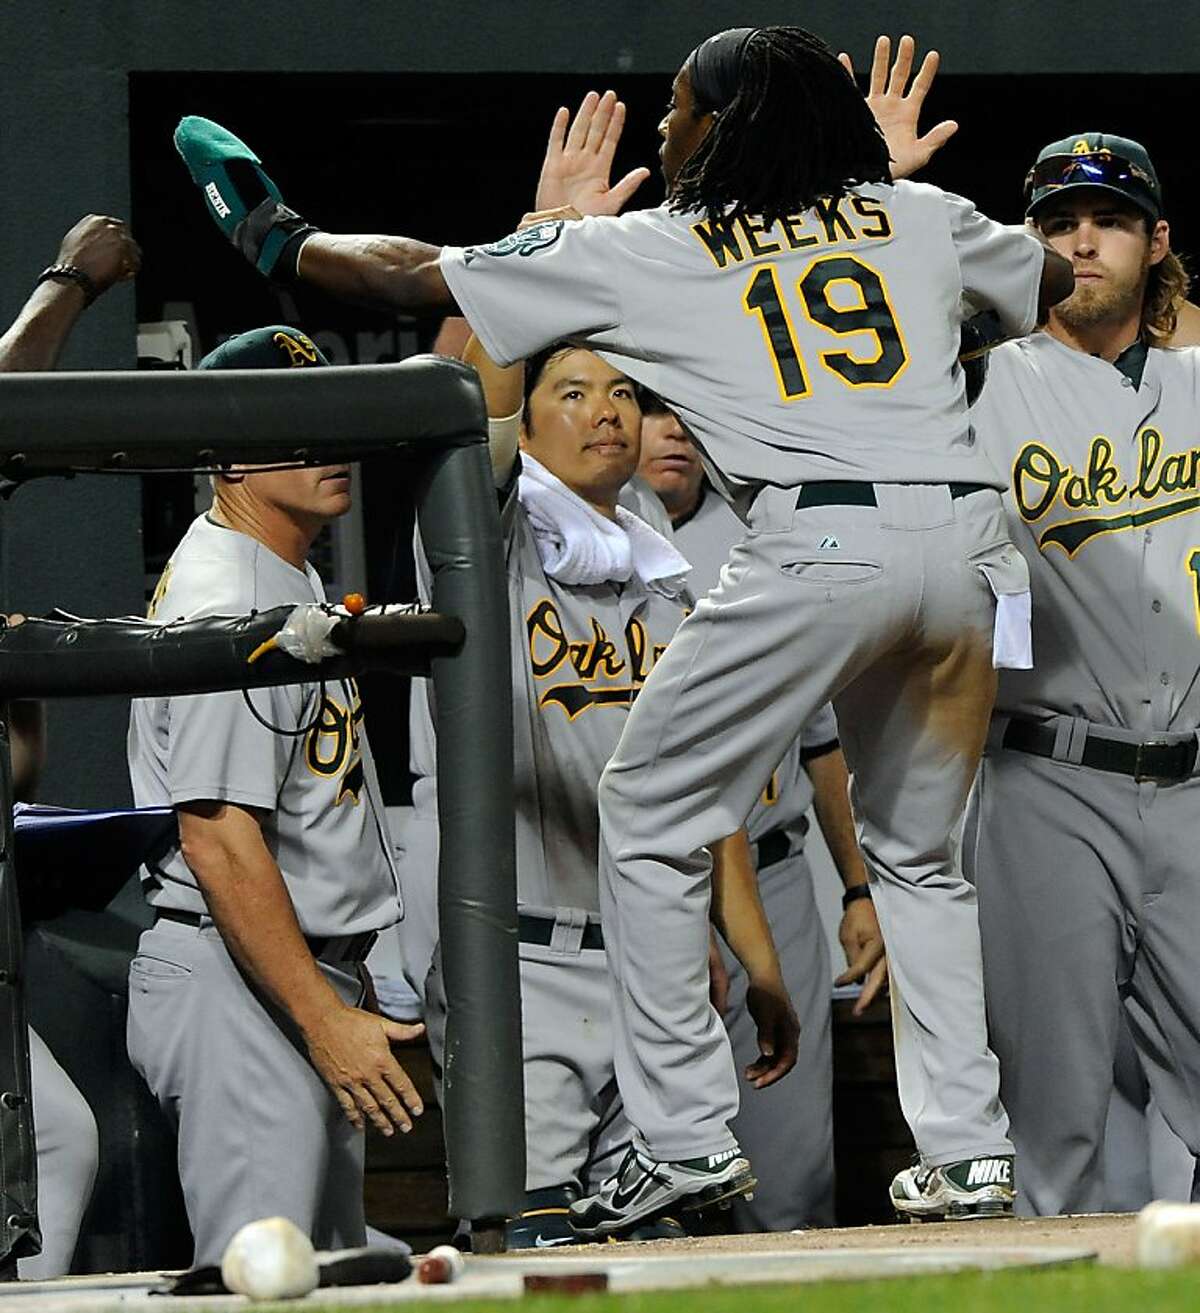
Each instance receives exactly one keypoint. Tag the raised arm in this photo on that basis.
(391, 273)
(97, 253)
(897, 106)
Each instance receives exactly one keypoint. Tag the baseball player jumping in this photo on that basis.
(801, 313)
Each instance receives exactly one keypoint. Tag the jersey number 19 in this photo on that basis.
(872, 314)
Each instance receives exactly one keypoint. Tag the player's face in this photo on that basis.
(670, 463)
(584, 424)
(681, 129)
(1110, 250)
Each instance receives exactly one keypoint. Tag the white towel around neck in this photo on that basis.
(578, 545)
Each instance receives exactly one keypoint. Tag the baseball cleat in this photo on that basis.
(543, 1223)
(243, 201)
(973, 1188)
(642, 1188)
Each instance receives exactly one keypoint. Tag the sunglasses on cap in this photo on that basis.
(1101, 169)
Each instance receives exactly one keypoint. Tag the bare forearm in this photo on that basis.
(38, 333)
(27, 745)
(737, 909)
(831, 803)
(250, 904)
(391, 273)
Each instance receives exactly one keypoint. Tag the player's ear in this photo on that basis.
(1160, 241)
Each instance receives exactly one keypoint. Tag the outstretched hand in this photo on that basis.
(579, 161)
(778, 1032)
(866, 959)
(897, 110)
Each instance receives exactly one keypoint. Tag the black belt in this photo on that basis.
(774, 846)
(1153, 760)
(540, 930)
(841, 492)
(330, 949)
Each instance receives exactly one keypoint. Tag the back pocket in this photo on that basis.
(809, 570)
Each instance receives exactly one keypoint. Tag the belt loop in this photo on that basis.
(567, 937)
(1070, 736)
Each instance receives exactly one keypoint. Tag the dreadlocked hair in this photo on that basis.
(1166, 291)
(798, 130)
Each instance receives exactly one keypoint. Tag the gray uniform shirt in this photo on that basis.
(323, 819)
(823, 348)
(1105, 489)
(706, 538)
(580, 654)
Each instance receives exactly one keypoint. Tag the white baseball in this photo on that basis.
(452, 1256)
(1168, 1235)
(270, 1259)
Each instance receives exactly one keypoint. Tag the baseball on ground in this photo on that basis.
(270, 1259)
(1168, 1235)
(440, 1266)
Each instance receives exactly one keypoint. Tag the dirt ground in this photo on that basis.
(1109, 1235)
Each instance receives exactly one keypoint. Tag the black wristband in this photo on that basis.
(74, 275)
(854, 893)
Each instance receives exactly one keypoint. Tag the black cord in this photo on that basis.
(278, 729)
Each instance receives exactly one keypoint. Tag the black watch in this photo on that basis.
(855, 892)
(72, 274)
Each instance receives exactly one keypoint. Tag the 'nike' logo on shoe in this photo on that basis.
(990, 1171)
(548, 1242)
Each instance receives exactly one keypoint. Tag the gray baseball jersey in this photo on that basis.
(580, 654)
(226, 1065)
(786, 1129)
(1094, 898)
(815, 318)
(324, 819)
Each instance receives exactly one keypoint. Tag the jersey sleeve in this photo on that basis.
(538, 286)
(820, 733)
(1001, 267)
(219, 751)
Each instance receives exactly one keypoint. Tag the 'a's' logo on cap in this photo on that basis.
(1081, 147)
(300, 349)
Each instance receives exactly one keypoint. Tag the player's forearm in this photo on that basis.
(390, 273)
(737, 910)
(39, 332)
(27, 745)
(504, 392)
(831, 803)
(249, 902)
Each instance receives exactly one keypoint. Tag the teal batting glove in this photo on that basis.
(245, 203)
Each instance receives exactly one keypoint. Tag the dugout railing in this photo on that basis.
(430, 411)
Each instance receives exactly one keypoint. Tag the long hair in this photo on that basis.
(1166, 291)
(798, 130)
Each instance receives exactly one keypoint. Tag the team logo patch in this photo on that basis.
(540, 237)
(300, 349)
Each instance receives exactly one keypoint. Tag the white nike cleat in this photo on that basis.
(642, 1188)
(973, 1188)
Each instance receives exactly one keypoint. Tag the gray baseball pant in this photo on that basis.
(888, 611)
(260, 1134)
(786, 1130)
(1088, 903)
(68, 1155)
(575, 1127)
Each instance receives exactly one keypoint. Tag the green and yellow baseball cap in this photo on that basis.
(1095, 159)
(275, 347)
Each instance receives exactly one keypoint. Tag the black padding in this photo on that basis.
(198, 419)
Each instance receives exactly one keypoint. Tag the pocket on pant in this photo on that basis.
(157, 968)
(809, 570)
(1006, 574)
